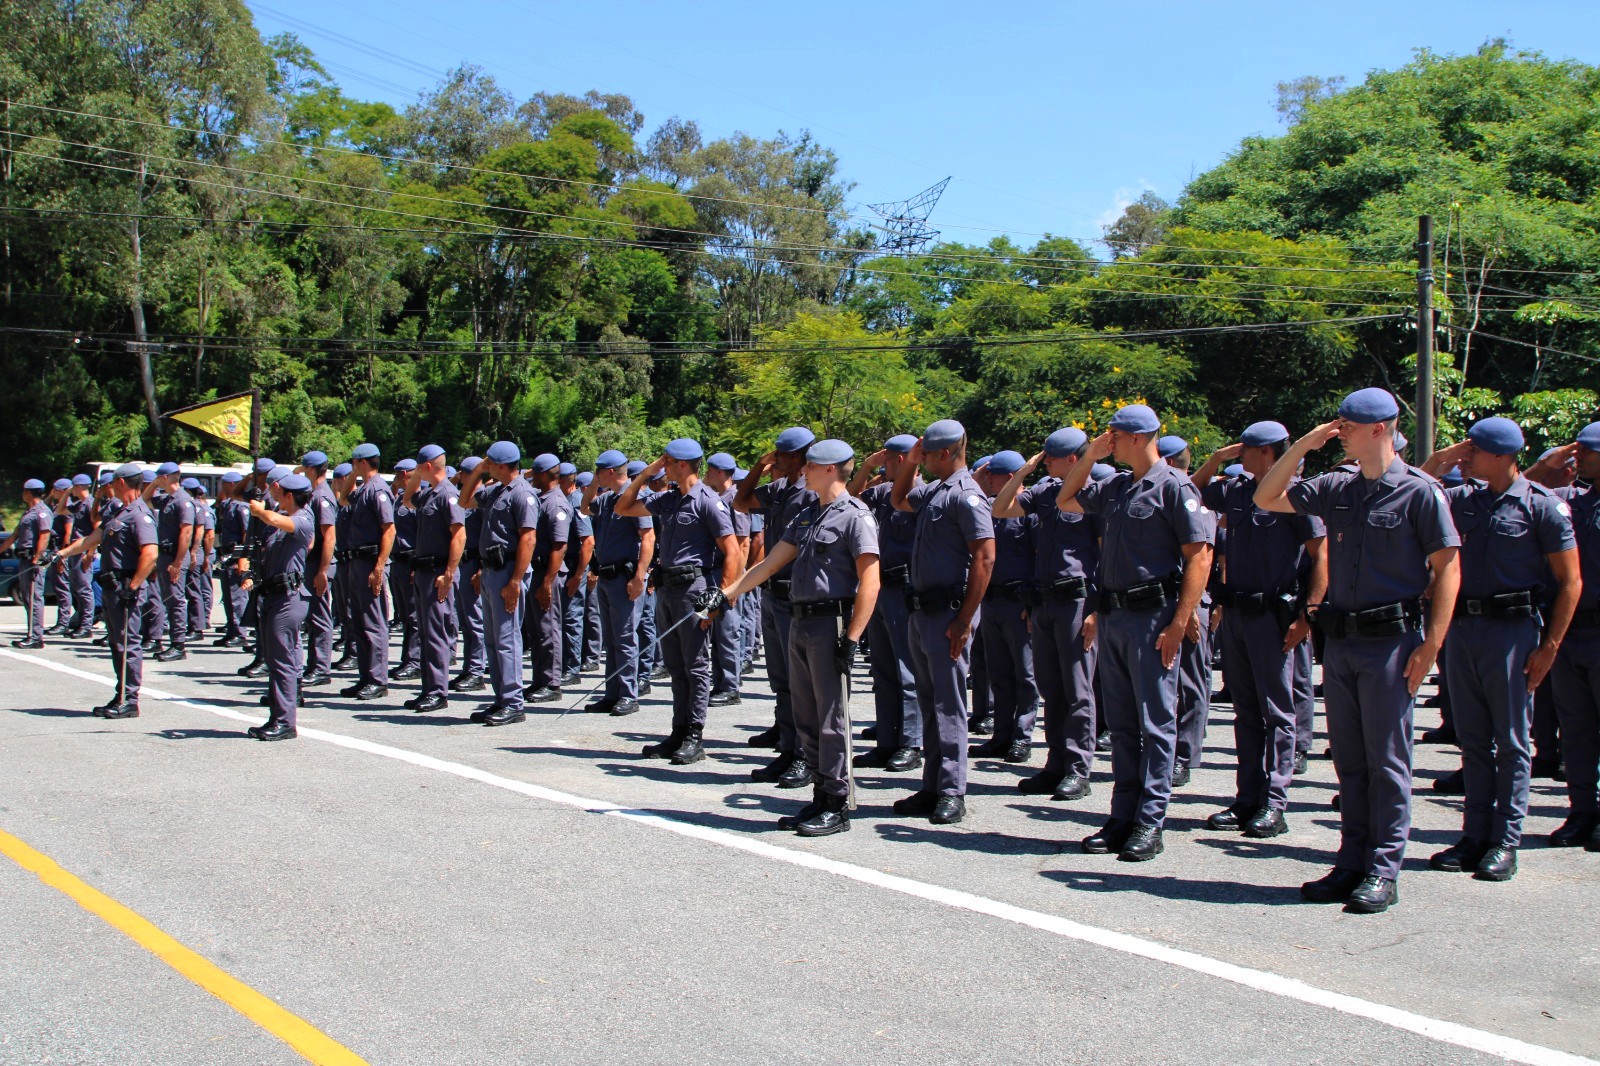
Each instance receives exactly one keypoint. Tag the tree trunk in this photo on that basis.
(147, 372)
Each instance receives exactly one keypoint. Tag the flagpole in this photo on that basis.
(255, 421)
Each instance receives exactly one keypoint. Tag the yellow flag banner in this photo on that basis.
(226, 418)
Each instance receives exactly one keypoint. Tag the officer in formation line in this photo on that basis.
(1095, 577)
(31, 540)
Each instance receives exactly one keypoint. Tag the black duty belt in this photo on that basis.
(404, 555)
(779, 587)
(822, 609)
(1501, 606)
(1147, 596)
(113, 580)
(1065, 589)
(1010, 590)
(469, 555)
(365, 551)
(429, 564)
(896, 577)
(495, 557)
(626, 568)
(1254, 602)
(167, 547)
(949, 597)
(1389, 620)
(1586, 619)
(281, 585)
(675, 577)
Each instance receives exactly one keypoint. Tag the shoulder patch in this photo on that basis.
(1191, 504)
(1563, 509)
(978, 503)
(561, 516)
(1438, 494)
(147, 519)
(721, 506)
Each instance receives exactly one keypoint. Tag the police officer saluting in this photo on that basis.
(371, 540)
(175, 523)
(624, 548)
(469, 605)
(1003, 622)
(31, 539)
(233, 517)
(441, 538)
(281, 599)
(543, 623)
(505, 552)
(833, 544)
(1391, 545)
(320, 571)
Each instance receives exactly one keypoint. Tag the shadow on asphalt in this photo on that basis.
(1168, 887)
(957, 839)
(54, 712)
(201, 734)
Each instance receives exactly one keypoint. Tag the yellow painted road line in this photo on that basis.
(311, 1042)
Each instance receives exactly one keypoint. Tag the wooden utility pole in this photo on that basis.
(1422, 447)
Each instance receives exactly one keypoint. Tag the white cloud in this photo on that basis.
(1125, 195)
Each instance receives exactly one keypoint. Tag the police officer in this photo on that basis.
(1194, 662)
(1391, 545)
(372, 538)
(343, 482)
(175, 522)
(505, 553)
(624, 550)
(832, 543)
(31, 539)
(469, 605)
(402, 599)
(1066, 557)
(590, 656)
(574, 575)
(233, 515)
(727, 632)
(694, 526)
(543, 622)
(897, 718)
(321, 571)
(200, 549)
(776, 502)
(281, 598)
(1274, 565)
(1511, 530)
(1154, 563)
(435, 569)
(649, 652)
(80, 579)
(128, 557)
(952, 557)
(57, 590)
(1003, 628)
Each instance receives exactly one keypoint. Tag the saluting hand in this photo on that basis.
(1032, 464)
(1100, 447)
(1228, 451)
(1318, 437)
(877, 458)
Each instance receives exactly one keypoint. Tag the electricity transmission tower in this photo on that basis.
(905, 226)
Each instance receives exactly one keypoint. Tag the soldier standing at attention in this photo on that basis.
(505, 552)
(469, 605)
(320, 571)
(543, 621)
(372, 538)
(574, 574)
(624, 548)
(402, 593)
(31, 539)
(175, 523)
(281, 600)
(1391, 547)
(727, 635)
(441, 538)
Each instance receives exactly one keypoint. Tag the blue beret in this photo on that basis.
(1007, 462)
(147, 476)
(33, 484)
(81, 480)
(900, 444)
(278, 473)
(795, 438)
(449, 471)
(61, 483)
(406, 465)
(610, 460)
(429, 453)
(636, 467)
(166, 468)
(945, 433)
(293, 482)
(190, 483)
(1452, 477)
(106, 476)
(545, 461)
(740, 473)
(1260, 434)
(503, 451)
(722, 461)
(342, 470)
(232, 477)
(314, 458)
(1169, 446)
(264, 464)
(1233, 470)
(684, 448)
(365, 451)
(1367, 406)
(1400, 441)
(470, 463)
(1589, 436)
(567, 469)
(981, 463)
(584, 479)
(830, 451)
(1497, 436)
(1101, 471)
(1135, 418)
(1064, 442)
(131, 471)
(660, 475)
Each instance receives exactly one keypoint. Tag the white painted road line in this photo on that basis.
(1445, 1032)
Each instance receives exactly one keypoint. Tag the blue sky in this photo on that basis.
(1049, 117)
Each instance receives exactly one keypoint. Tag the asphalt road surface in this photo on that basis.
(419, 889)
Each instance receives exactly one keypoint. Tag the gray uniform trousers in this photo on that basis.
(821, 697)
(153, 612)
(573, 608)
(894, 687)
(1008, 651)
(436, 630)
(234, 600)
(592, 641)
(320, 625)
(978, 679)
(30, 591)
(775, 620)
(369, 626)
(1493, 712)
(469, 620)
(649, 650)
(751, 612)
(620, 628)
(1065, 672)
(1194, 693)
(686, 651)
(402, 597)
(1370, 712)
(174, 602)
(541, 632)
(727, 640)
(59, 591)
(502, 637)
(1139, 697)
(1546, 728)
(199, 601)
(278, 629)
(942, 698)
(81, 581)
(1575, 684)
(1304, 693)
(1261, 678)
(125, 635)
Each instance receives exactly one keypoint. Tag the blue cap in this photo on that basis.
(1135, 418)
(1169, 446)
(945, 433)
(503, 451)
(190, 483)
(293, 482)
(449, 471)
(232, 477)
(147, 476)
(470, 463)
(795, 438)
(406, 465)
(1400, 441)
(1366, 406)
(1006, 462)
(264, 464)
(131, 472)
(1101, 471)
(61, 483)
(429, 453)
(166, 468)
(1452, 477)
(33, 484)
(1589, 436)
(1497, 436)
(900, 444)
(278, 473)
(722, 461)
(830, 451)
(545, 461)
(610, 459)
(566, 469)
(106, 476)
(1233, 470)
(584, 479)
(342, 470)
(81, 480)
(1065, 442)
(314, 458)
(740, 473)
(365, 451)
(636, 467)
(683, 448)
(1260, 434)
(981, 463)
